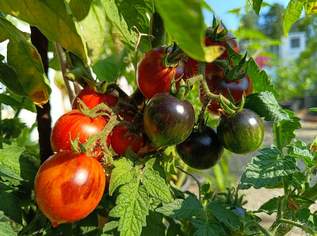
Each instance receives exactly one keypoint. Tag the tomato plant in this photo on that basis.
(128, 158)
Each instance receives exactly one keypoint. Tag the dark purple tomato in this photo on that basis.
(202, 149)
(167, 120)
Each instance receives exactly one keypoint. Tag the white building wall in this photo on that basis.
(292, 46)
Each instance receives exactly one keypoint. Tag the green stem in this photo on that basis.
(63, 62)
(181, 178)
(299, 225)
(195, 179)
(276, 132)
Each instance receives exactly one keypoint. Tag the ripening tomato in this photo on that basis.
(75, 125)
(153, 76)
(92, 98)
(167, 120)
(231, 89)
(69, 186)
(242, 132)
(121, 139)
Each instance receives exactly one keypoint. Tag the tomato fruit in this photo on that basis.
(201, 150)
(167, 120)
(69, 186)
(231, 89)
(75, 125)
(92, 98)
(241, 133)
(121, 139)
(153, 76)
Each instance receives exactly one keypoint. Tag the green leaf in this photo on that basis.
(310, 7)
(271, 206)
(80, 8)
(17, 102)
(284, 130)
(260, 80)
(132, 207)
(10, 204)
(26, 61)
(121, 174)
(154, 183)
(111, 68)
(256, 4)
(292, 13)
(51, 18)
(184, 22)
(204, 228)
(129, 17)
(110, 226)
(94, 28)
(10, 161)
(300, 150)
(8, 77)
(182, 209)
(267, 169)
(6, 229)
(155, 225)
(225, 216)
(266, 106)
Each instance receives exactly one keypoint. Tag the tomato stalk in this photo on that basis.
(63, 62)
(194, 178)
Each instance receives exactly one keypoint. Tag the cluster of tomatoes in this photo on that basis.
(70, 184)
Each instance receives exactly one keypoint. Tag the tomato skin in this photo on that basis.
(72, 125)
(121, 139)
(153, 77)
(69, 186)
(167, 120)
(92, 98)
(242, 132)
(202, 149)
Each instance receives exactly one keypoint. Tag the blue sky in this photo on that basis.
(222, 7)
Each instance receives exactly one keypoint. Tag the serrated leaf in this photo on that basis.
(6, 229)
(267, 169)
(51, 18)
(292, 13)
(301, 151)
(10, 161)
(256, 5)
(260, 80)
(110, 226)
(182, 209)
(121, 174)
(93, 28)
(223, 215)
(284, 130)
(80, 8)
(27, 64)
(154, 183)
(266, 106)
(132, 207)
(184, 22)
